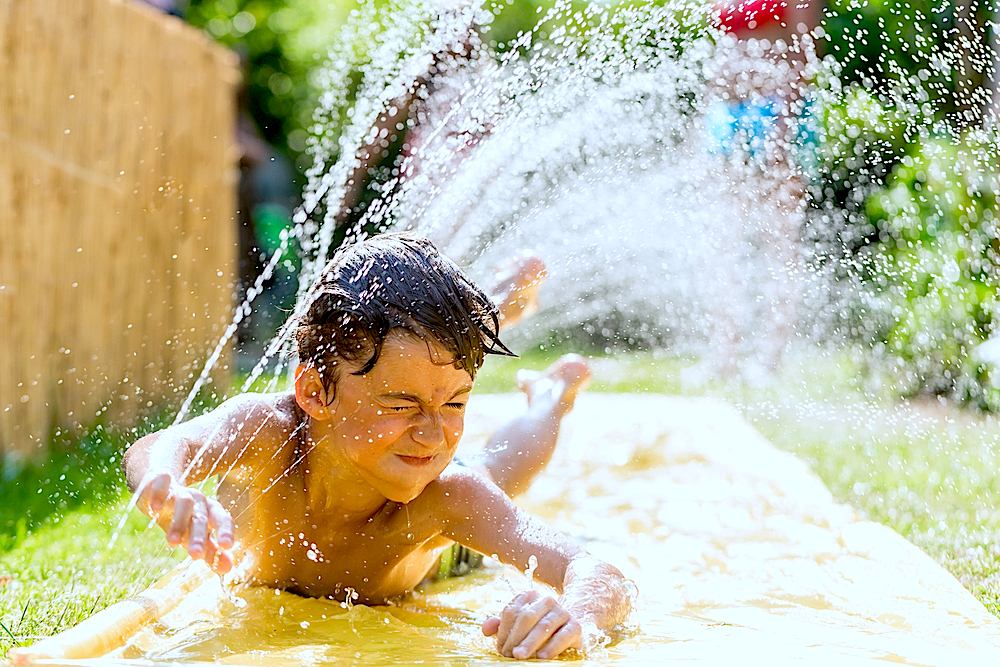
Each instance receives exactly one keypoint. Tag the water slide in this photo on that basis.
(738, 551)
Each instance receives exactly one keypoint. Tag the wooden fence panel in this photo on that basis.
(118, 173)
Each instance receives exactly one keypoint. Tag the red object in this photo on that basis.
(749, 15)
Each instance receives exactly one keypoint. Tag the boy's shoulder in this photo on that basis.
(264, 429)
(262, 417)
(459, 490)
(459, 477)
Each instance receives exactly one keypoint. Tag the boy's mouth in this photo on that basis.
(416, 461)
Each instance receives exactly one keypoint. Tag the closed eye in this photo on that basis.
(456, 406)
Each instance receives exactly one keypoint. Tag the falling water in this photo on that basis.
(584, 142)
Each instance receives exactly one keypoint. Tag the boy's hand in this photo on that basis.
(189, 519)
(533, 626)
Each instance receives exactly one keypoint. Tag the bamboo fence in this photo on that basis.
(118, 171)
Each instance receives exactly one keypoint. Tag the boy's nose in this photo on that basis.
(430, 431)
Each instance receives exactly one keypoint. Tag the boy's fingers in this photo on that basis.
(159, 489)
(527, 619)
(198, 529)
(211, 549)
(220, 520)
(544, 629)
(508, 616)
(568, 636)
(181, 520)
(491, 625)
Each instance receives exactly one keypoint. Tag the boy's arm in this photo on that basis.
(159, 466)
(593, 593)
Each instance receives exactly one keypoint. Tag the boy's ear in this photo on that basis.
(309, 392)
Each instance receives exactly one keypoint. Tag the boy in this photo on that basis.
(345, 486)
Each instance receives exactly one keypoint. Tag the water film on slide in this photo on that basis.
(737, 550)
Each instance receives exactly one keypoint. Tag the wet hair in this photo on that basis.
(394, 283)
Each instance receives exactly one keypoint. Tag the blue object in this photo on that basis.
(750, 128)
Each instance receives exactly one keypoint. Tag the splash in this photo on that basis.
(584, 140)
(688, 189)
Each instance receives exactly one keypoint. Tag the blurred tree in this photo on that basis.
(937, 47)
(938, 266)
(911, 168)
(253, 28)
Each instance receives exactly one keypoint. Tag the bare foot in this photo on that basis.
(558, 385)
(515, 288)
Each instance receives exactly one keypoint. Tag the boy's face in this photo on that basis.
(400, 423)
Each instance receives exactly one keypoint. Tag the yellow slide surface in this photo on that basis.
(738, 551)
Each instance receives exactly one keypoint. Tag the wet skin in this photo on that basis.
(346, 502)
(357, 491)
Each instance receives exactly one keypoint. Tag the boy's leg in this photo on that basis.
(515, 288)
(521, 448)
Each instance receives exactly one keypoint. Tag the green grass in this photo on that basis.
(64, 570)
(57, 522)
(927, 469)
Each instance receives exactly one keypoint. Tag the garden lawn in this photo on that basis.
(928, 469)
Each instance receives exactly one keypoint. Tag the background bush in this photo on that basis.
(911, 174)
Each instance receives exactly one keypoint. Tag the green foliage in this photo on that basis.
(936, 267)
(268, 36)
(895, 72)
(66, 542)
(65, 569)
(57, 519)
(922, 53)
(862, 138)
(90, 472)
(80, 471)
(912, 179)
